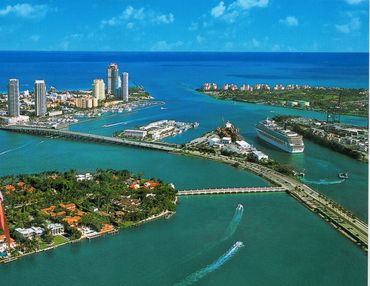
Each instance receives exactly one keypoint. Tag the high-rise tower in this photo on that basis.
(40, 98)
(124, 88)
(113, 82)
(13, 98)
(98, 89)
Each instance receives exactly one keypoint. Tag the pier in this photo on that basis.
(342, 220)
(223, 191)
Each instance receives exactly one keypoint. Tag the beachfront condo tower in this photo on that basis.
(113, 79)
(98, 89)
(124, 88)
(40, 98)
(13, 98)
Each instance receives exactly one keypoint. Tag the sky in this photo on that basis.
(185, 25)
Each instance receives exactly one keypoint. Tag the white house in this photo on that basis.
(56, 228)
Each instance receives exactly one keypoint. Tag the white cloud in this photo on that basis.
(165, 46)
(231, 12)
(25, 10)
(353, 25)
(193, 26)
(131, 17)
(165, 19)
(255, 43)
(247, 4)
(35, 38)
(290, 21)
(354, 2)
(200, 39)
(218, 10)
(132, 13)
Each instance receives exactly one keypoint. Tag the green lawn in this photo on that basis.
(59, 239)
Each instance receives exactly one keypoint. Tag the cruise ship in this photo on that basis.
(281, 138)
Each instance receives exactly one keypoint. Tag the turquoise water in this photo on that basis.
(285, 244)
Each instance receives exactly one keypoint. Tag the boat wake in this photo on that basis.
(196, 276)
(115, 124)
(322, 181)
(234, 223)
(13, 149)
(230, 230)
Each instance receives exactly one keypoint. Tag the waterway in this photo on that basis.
(285, 244)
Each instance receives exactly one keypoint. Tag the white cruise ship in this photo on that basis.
(281, 138)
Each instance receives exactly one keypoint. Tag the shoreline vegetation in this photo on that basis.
(81, 206)
(344, 101)
(341, 138)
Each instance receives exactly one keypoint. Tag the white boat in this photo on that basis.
(239, 207)
(279, 137)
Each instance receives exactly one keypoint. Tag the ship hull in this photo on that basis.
(283, 147)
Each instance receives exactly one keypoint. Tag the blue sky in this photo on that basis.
(185, 25)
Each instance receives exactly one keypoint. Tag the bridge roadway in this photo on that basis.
(341, 219)
(231, 191)
(73, 135)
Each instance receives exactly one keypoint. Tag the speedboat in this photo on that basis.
(239, 207)
(343, 175)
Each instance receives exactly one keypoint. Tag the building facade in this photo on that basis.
(40, 98)
(124, 88)
(98, 89)
(113, 79)
(13, 98)
(86, 102)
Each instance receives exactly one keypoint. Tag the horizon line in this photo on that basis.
(262, 52)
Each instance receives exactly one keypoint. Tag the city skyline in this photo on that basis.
(223, 26)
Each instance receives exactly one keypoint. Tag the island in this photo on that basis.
(333, 100)
(49, 209)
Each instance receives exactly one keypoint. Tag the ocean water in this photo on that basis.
(285, 244)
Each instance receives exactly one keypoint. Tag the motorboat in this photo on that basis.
(343, 175)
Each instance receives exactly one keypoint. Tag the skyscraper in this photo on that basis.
(113, 83)
(98, 89)
(124, 88)
(40, 98)
(13, 98)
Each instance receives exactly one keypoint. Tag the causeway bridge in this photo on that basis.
(81, 136)
(223, 191)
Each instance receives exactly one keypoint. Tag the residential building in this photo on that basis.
(56, 228)
(86, 102)
(98, 89)
(124, 87)
(135, 133)
(30, 232)
(40, 98)
(113, 79)
(13, 98)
